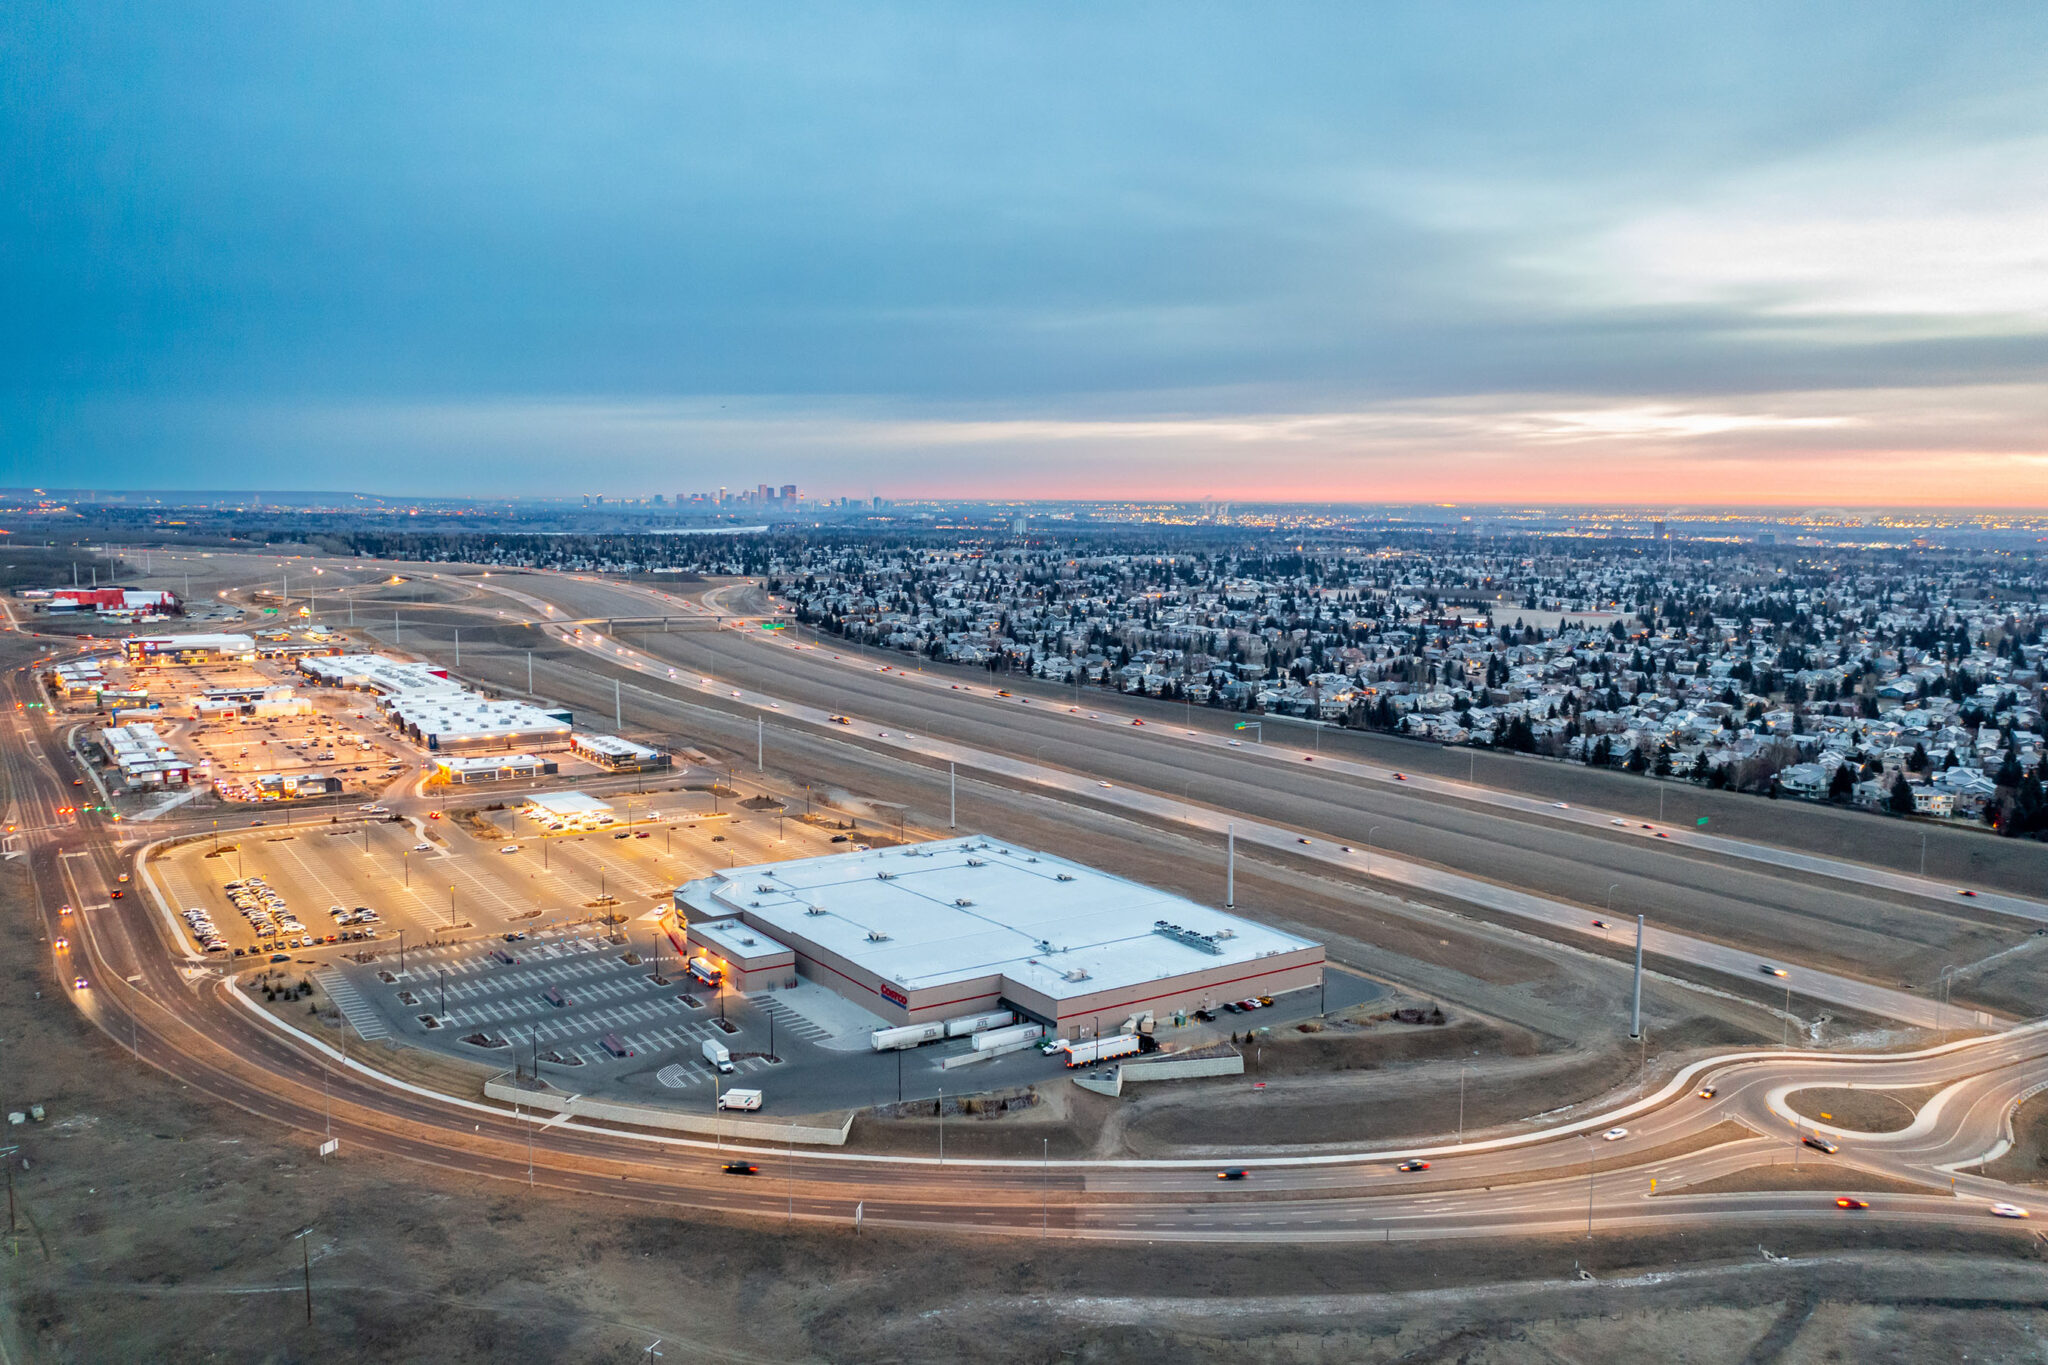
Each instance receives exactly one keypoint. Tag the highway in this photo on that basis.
(185, 1021)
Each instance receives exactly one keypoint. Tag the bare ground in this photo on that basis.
(1865, 1110)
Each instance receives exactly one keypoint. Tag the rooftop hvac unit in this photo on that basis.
(765, 889)
(1066, 876)
(814, 910)
(877, 936)
(976, 862)
(1194, 938)
(1078, 974)
(885, 876)
(962, 902)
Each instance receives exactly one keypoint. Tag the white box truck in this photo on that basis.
(975, 1023)
(1091, 1050)
(1015, 1036)
(740, 1099)
(906, 1035)
(716, 1054)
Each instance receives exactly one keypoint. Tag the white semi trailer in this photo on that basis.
(907, 1035)
(1015, 1036)
(975, 1023)
(1090, 1050)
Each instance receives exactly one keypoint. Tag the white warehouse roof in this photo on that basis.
(958, 909)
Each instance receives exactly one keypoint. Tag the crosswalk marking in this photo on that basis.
(360, 1013)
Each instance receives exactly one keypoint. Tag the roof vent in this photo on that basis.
(962, 902)
(877, 936)
(1066, 876)
(814, 910)
(976, 862)
(885, 876)
(765, 890)
(1078, 974)
(746, 943)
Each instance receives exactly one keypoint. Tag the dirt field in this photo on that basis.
(2027, 1162)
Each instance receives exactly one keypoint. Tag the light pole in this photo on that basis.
(1590, 1150)
(1461, 1102)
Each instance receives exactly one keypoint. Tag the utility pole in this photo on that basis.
(760, 744)
(952, 794)
(458, 646)
(1230, 867)
(529, 672)
(395, 633)
(1635, 1017)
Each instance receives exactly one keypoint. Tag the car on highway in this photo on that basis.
(115, 893)
(122, 878)
(1708, 1092)
(740, 1168)
(1599, 924)
(1235, 743)
(1137, 722)
(1851, 1202)
(643, 834)
(433, 815)
(1622, 823)
(1614, 1134)
(1400, 777)
(514, 848)
(1301, 841)
(63, 909)
(1415, 1165)
(1102, 784)
(1768, 970)
(1560, 805)
(2007, 1211)
(623, 834)
(1233, 1173)
(1821, 1144)
(60, 943)
(423, 848)
(1966, 893)
(79, 983)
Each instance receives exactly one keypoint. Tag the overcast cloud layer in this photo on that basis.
(1600, 252)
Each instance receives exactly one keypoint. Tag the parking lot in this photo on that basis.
(436, 878)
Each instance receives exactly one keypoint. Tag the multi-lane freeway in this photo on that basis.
(188, 1022)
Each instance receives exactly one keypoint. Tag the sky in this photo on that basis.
(1642, 253)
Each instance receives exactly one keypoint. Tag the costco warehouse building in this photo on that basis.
(939, 929)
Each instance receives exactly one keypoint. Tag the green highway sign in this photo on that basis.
(1701, 821)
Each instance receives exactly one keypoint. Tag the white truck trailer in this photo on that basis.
(907, 1035)
(975, 1023)
(1015, 1036)
(1087, 1051)
(740, 1099)
(716, 1053)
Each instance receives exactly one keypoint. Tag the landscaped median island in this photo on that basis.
(1862, 1109)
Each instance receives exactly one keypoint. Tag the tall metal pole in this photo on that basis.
(618, 706)
(458, 646)
(952, 795)
(1635, 1017)
(1230, 867)
(760, 744)
(529, 672)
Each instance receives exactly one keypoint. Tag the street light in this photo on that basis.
(1368, 848)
